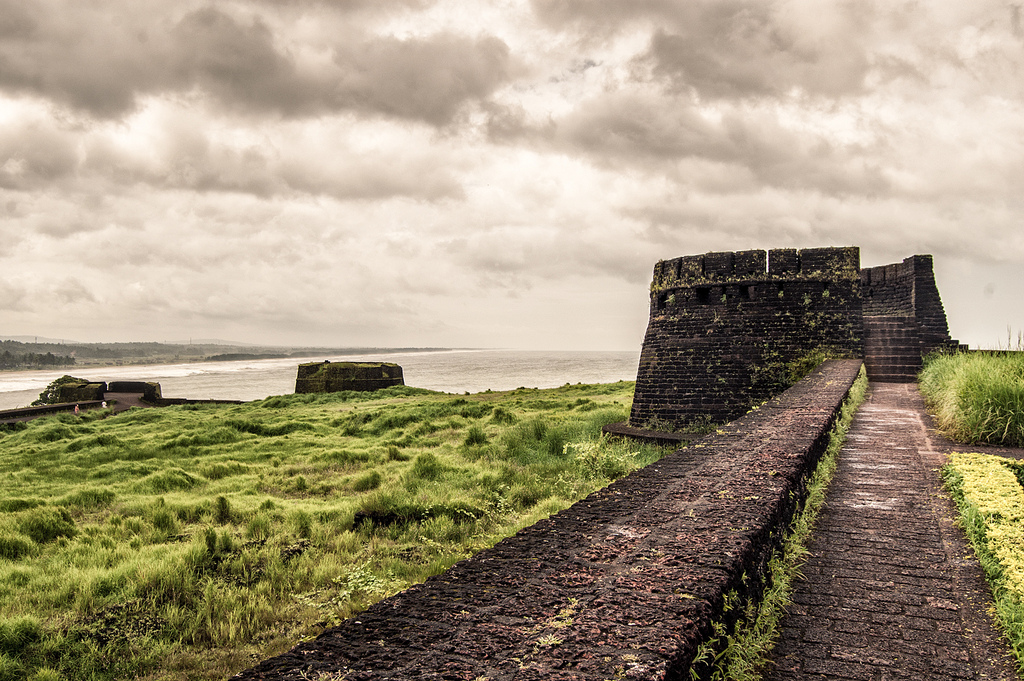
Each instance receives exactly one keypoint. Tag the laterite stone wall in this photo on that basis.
(908, 289)
(724, 326)
(329, 377)
(81, 392)
(150, 390)
(625, 584)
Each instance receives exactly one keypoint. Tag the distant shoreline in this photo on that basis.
(158, 353)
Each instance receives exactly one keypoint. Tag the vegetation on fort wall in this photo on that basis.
(987, 490)
(744, 654)
(188, 542)
(977, 397)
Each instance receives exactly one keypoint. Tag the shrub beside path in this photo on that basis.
(892, 589)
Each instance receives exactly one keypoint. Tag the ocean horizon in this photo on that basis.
(450, 371)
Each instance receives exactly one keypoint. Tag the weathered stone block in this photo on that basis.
(842, 263)
(149, 390)
(752, 264)
(718, 265)
(782, 261)
(691, 267)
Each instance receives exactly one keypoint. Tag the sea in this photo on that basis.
(450, 371)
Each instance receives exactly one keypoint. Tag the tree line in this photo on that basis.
(34, 360)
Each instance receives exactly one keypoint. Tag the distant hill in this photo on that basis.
(215, 341)
(36, 339)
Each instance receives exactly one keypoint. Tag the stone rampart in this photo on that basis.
(626, 583)
(724, 326)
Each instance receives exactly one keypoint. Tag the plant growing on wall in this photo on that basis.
(51, 393)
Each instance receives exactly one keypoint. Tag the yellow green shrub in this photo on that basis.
(991, 503)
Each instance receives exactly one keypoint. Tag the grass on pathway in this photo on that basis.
(745, 653)
(189, 542)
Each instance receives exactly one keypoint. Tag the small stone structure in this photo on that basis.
(724, 327)
(150, 390)
(329, 377)
(85, 391)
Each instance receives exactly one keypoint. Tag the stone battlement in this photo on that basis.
(908, 289)
(754, 266)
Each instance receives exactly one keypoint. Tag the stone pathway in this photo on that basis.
(892, 590)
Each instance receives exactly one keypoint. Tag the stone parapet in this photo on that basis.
(753, 266)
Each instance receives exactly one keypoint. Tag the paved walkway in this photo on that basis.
(891, 591)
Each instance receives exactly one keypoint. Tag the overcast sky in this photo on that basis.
(501, 173)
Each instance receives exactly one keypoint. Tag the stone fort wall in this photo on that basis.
(907, 289)
(724, 326)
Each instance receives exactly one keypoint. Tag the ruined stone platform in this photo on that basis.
(891, 590)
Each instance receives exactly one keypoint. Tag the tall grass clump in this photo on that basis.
(987, 491)
(183, 543)
(977, 397)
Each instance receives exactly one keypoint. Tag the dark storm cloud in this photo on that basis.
(656, 132)
(239, 63)
(12, 296)
(732, 48)
(740, 49)
(427, 79)
(236, 63)
(33, 154)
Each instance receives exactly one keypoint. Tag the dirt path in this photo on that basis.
(892, 590)
(124, 401)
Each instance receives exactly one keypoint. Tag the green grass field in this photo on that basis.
(188, 542)
(977, 397)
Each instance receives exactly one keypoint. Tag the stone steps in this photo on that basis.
(892, 349)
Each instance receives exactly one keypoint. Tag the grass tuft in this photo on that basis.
(977, 397)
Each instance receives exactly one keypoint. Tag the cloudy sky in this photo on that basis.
(501, 173)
